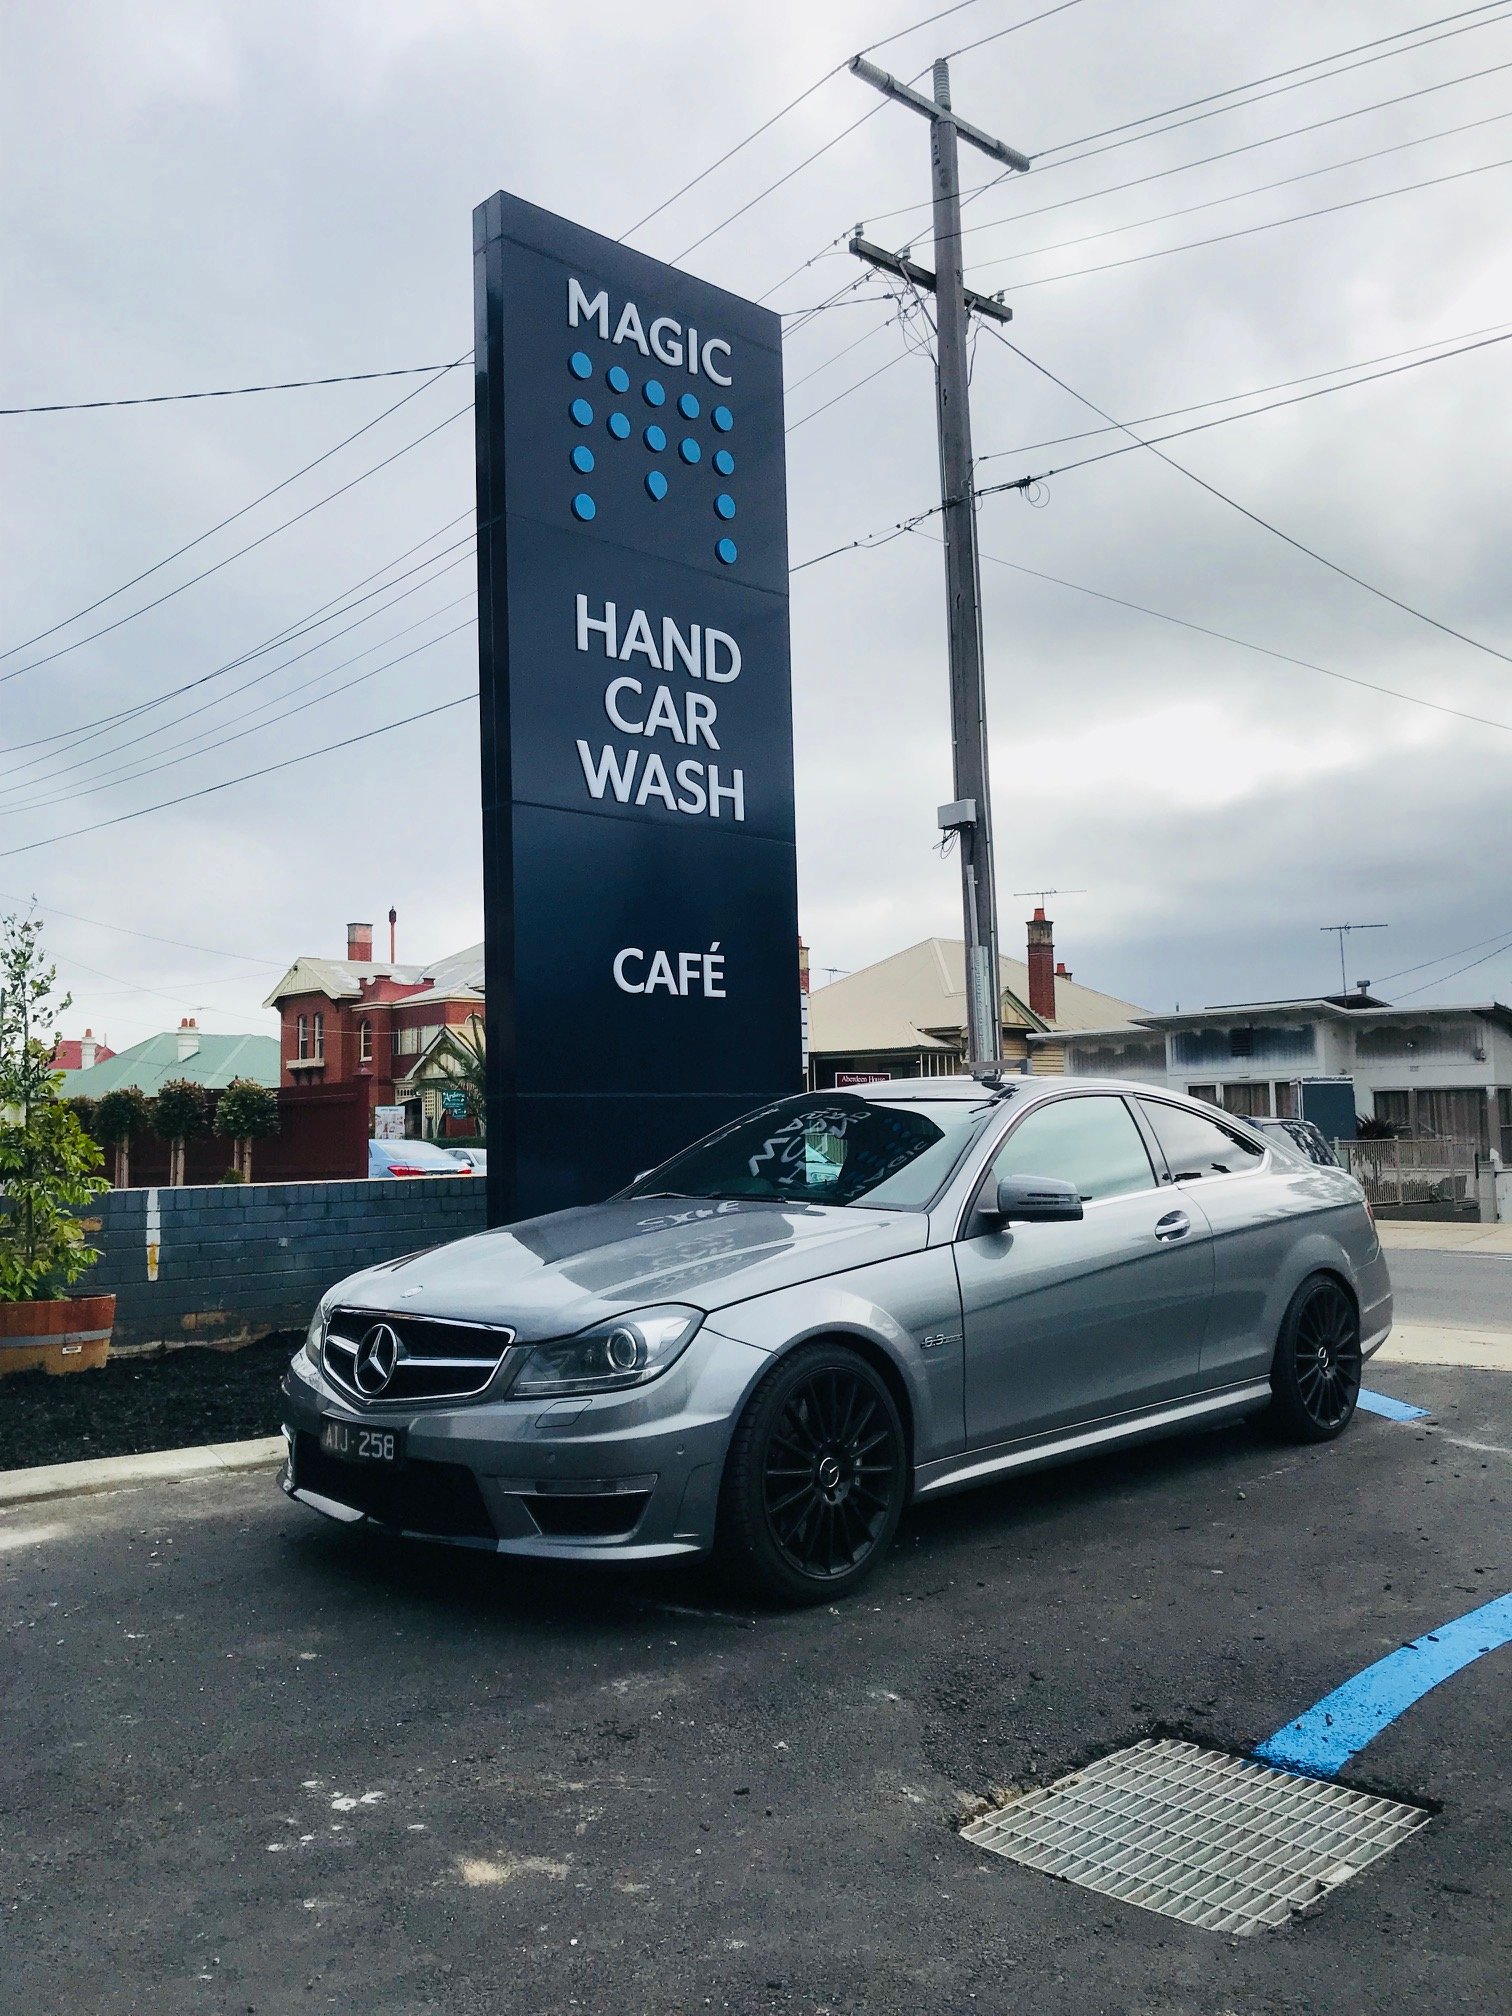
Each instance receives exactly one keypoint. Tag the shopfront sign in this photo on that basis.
(638, 851)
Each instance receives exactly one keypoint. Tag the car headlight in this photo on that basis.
(627, 1352)
(314, 1338)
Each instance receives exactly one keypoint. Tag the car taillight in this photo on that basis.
(404, 1169)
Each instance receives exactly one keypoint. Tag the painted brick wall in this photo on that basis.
(238, 1260)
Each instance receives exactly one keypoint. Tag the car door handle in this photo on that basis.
(1174, 1225)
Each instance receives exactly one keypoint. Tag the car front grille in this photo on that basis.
(432, 1359)
(442, 1499)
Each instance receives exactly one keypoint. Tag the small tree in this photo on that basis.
(48, 1164)
(246, 1112)
(118, 1116)
(88, 1114)
(180, 1114)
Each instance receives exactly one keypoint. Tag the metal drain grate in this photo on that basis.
(1217, 1841)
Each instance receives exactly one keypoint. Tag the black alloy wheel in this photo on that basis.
(816, 1476)
(1315, 1380)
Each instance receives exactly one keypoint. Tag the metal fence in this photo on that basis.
(1412, 1172)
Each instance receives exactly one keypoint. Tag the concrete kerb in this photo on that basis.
(158, 1466)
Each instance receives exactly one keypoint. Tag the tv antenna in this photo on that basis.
(1343, 931)
(1040, 894)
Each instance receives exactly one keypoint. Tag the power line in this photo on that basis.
(1254, 517)
(1252, 230)
(1248, 644)
(152, 937)
(1422, 963)
(1443, 978)
(1259, 189)
(1228, 398)
(134, 769)
(1228, 153)
(251, 546)
(318, 699)
(882, 538)
(791, 106)
(126, 716)
(268, 769)
(200, 538)
(1012, 29)
(1223, 420)
(1045, 167)
(231, 392)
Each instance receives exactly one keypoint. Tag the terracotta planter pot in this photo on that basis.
(56, 1336)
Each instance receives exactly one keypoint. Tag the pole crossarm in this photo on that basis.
(920, 276)
(894, 87)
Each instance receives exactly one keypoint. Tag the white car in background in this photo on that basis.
(475, 1159)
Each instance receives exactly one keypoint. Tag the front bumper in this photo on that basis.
(631, 1476)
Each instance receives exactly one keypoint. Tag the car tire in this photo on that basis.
(816, 1477)
(1315, 1376)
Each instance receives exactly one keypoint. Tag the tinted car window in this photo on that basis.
(827, 1148)
(1198, 1147)
(1091, 1142)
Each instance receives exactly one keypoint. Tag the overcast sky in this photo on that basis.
(200, 195)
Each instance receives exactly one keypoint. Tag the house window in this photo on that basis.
(1250, 1100)
(407, 1042)
(319, 1035)
(1207, 1092)
(302, 1046)
(1286, 1100)
(365, 1042)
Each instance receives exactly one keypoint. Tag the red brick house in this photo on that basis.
(361, 1021)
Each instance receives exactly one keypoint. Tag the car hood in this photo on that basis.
(548, 1277)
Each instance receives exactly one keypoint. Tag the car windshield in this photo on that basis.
(828, 1148)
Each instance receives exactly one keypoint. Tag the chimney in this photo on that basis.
(360, 944)
(87, 1048)
(803, 967)
(1062, 970)
(188, 1039)
(1042, 965)
(393, 940)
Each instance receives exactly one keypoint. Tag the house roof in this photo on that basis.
(341, 979)
(68, 1053)
(897, 1003)
(150, 1064)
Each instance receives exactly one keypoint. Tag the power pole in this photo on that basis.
(970, 815)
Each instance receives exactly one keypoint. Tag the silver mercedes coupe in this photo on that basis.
(834, 1306)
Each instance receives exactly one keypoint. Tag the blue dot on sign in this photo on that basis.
(582, 412)
(580, 364)
(619, 378)
(689, 449)
(584, 507)
(654, 392)
(688, 406)
(656, 440)
(723, 419)
(724, 504)
(727, 552)
(656, 485)
(582, 460)
(619, 426)
(724, 462)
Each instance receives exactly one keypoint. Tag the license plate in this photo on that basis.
(353, 1443)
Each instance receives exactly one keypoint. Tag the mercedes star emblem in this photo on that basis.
(377, 1355)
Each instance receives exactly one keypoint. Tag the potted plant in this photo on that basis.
(180, 1114)
(118, 1116)
(246, 1112)
(49, 1172)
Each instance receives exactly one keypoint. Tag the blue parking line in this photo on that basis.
(1394, 1410)
(1321, 1742)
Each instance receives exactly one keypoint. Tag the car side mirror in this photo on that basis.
(1032, 1200)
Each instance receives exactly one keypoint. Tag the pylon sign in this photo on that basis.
(638, 847)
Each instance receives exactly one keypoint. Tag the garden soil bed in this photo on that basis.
(131, 1405)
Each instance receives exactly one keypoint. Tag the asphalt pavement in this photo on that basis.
(255, 1762)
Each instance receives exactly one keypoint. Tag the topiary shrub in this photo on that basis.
(119, 1116)
(246, 1112)
(180, 1113)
